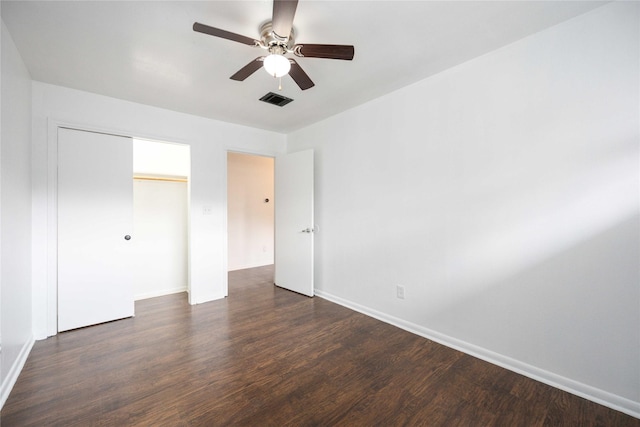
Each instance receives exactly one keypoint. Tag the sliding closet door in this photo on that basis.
(95, 220)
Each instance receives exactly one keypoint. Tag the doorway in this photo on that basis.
(160, 218)
(282, 230)
(250, 211)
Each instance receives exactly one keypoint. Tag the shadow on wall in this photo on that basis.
(536, 261)
(573, 313)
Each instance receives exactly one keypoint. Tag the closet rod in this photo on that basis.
(160, 178)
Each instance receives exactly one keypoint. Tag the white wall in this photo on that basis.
(503, 195)
(160, 237)
(209, 141)
(15, 217)
(250, 218)
(161, 159)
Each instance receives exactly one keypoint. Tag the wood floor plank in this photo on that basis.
(268, 357)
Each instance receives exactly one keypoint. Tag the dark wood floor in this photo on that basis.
(268, 357)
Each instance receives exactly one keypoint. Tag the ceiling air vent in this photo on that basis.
(275, 99)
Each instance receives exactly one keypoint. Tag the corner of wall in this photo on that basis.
(593, 394)
(12, 376)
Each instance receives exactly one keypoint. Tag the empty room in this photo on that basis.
(349, 213)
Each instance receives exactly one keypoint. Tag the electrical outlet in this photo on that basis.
(400, 291)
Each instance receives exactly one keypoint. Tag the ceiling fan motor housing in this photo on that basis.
(270, 39)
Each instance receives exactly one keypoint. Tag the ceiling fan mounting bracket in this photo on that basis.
(297, 50)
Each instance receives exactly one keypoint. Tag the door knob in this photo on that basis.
(127, 237)
(306, 230)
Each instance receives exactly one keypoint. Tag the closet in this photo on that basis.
(122, 216)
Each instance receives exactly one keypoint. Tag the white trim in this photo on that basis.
(52, 207)
(225, 223)
(229, 148)
(247, 266)
(586, 391)
(207, 298)
(160, 293)
(14, 372)
(52, 227)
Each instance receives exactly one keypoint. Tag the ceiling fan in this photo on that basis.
(278, 38)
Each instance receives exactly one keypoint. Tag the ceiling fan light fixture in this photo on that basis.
(276, 65)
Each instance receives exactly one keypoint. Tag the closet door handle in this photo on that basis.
(127, 237)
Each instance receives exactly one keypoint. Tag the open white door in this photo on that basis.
(95, 220)
(294, 222)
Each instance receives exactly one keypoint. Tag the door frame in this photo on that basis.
(226, 210)
(52, 210)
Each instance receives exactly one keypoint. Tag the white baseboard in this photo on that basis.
(159, 293)
(207, 298)
(14, 372)
(588, 392)
(246, 266)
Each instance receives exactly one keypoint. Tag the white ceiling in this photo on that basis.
(146, 51)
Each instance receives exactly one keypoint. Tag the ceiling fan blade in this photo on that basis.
(299, 76)
(282, 19)
(217, 32)
(248, 69)
(330, 51)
